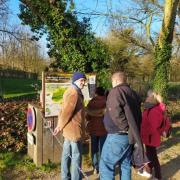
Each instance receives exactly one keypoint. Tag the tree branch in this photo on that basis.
(12, 34)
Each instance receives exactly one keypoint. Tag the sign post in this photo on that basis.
(41, 121)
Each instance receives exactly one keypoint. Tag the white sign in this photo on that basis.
(54, 88)
(92, 79)
(30, 138)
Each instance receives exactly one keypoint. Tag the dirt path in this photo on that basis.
(169, 155)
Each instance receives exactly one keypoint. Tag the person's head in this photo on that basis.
(100, 91)
(150, 93)
(79, 79)
(118, 77)
(151, 97)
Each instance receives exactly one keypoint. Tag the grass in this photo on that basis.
(21, 162)
(12, 159)
(14, 87)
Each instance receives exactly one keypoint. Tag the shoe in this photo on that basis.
(144, 174)
(95, 171)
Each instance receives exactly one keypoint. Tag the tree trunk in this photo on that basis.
(164, 47)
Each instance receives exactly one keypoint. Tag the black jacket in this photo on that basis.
(123, 112)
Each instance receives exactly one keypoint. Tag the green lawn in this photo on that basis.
(13, 87)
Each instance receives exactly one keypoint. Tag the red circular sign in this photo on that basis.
(31, 119)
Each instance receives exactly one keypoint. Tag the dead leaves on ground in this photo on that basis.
(13, 126)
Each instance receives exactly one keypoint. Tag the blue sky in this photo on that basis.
(14, 20)
(14, 10)
(99, 25)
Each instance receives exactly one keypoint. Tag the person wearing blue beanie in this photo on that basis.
(71, 122)
(78, 80)
(78, 75)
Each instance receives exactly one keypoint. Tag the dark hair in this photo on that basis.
(100, 91)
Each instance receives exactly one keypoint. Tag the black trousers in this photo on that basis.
(152, 156)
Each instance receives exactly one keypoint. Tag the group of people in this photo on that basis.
(116, 126)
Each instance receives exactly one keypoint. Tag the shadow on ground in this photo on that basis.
(170, 168)
(172, 141)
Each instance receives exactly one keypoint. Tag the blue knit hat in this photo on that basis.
(78, 75)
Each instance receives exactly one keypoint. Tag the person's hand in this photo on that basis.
(56, 131)
(159, 98)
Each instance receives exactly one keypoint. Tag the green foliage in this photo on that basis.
(12, 159)
(27, 163)
(119, 49)
(48, 166)
(161, 62)
(103, 78)
(70, 41)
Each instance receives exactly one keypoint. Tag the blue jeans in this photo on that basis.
(74, 149)
(116, 150)
(97, 143)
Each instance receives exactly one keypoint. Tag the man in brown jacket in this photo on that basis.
(71, 123)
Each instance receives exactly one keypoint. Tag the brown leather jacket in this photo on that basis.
(72, 116)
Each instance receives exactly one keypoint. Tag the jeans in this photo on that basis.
(97, 143)
(74, 149)
(116, 150)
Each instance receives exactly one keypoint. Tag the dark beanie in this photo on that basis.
(78, 75)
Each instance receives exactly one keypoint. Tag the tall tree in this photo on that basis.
(163, 47)
(21, 54)
(144, 17)
(70, 41)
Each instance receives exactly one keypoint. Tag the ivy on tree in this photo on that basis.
(70, 41)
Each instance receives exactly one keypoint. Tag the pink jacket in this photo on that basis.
(151, 121)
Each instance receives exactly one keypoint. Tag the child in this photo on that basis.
(152, 118)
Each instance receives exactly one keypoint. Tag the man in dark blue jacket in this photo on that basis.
(122, 122)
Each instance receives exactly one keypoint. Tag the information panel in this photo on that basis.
(54, 87)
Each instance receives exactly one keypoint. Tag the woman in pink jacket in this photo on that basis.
(152, 118)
